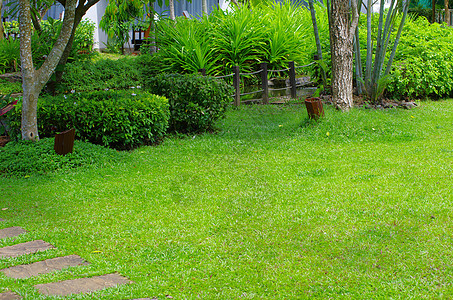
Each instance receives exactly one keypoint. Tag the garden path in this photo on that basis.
(61, 288)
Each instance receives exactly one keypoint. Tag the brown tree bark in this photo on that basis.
(172, 9)
(34, 80)
(433, 11)
(2, 29)
(342, 23)
(81, 10)
(447, 13)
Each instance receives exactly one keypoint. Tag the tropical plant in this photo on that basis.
(9, 55)
(270, 32)
(185, 46)
(238, 38)
(376, 78)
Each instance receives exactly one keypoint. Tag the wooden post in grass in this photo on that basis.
(237, 86)
(264, 83)
(64, 142)
(292, 79)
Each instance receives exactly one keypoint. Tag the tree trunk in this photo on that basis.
(204, 7)
(433, 15)
(342, 29)
(81, 9)
(315, 29)
(172, 9)
(447, 13)
(34, 80)
(2, 29)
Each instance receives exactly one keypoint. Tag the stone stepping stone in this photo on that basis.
(11, 232)
(81, 285)
(9, 296)
(24, 248)
(45, 266)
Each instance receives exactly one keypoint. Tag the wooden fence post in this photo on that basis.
(202, 71)
(292, 79)
(237, 86)
(264, 83)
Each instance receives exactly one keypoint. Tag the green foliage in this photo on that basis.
(118, 19)
(10, 86)
(118, 119)
(84, 37)
(42, 43)
(270, 32)
(100, 74)
(196, 102)
(185, 47)
(25, 158)
(4, 121)
(9, 55)
(11, 28)
(424, 62)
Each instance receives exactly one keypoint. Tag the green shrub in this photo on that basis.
(118, 119)
(424, 62)
(25, 158)
(11, 28)
(196, 102)
(100, 74)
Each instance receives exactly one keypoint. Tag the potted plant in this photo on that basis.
(314, 105)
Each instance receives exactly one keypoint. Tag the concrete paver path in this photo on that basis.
(24, 248)
(11, 232)
(81, 285)
(45, 266)
(9, 296)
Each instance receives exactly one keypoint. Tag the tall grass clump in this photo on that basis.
(270, 32)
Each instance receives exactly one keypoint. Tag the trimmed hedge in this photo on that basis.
(117, 119)
(196, 102)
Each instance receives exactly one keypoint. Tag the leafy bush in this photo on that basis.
(100, 75)
(11, 29)
(196, 102)
(118, 119)
(424, 62)
(24, 158)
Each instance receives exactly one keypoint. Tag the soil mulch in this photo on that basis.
(4, 140)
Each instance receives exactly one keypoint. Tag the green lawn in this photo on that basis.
(358, 206)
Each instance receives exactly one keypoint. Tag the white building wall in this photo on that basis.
(95, 14)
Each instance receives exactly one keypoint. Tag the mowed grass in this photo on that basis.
(358, 205)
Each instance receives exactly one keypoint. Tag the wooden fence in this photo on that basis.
(264, 72)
